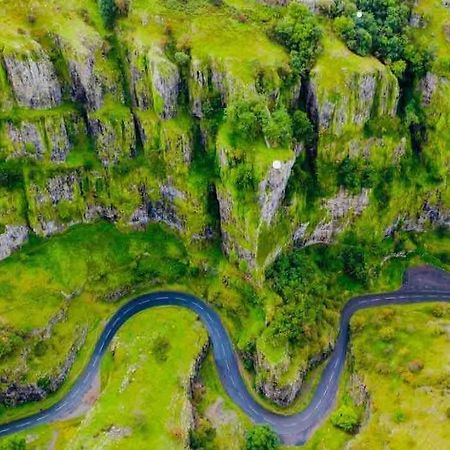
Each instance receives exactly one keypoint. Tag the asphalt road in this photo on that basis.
(293, 429)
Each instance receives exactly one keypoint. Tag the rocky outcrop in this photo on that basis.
(359, 91)
(230, 244)
(273, 187)
(430, 215)
(12, 239)
(155, 81)
(284, 394)
(33, 80)
(44, 138)
(26, 140)
(166, 81)
(17, 394)
(428, 86)
(340, 211)
(62, 187)
(114, 138)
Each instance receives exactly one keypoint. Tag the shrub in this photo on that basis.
(387, 334)
(345, 418)
(354, 261)
(14, 444)
(303, 130)
(108, 10)
(277, 128)
(243, 116)
(160, 348)
(261, 438)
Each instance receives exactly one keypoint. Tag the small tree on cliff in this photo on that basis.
(108, 10)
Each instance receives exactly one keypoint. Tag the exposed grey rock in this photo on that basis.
(86, 83)
(417, 20)
(364, 94)
(33, 80)
(114, 140)
(62, 187)
(339, 210)
(430, 215)
(12, 239)
(199, 84)
(284, 394)
(49, 227)
(140, 217)
(171, 193)
(166, 81)
(272, 189)
(428, 87)
(60, 145)
(26, 140)
(163, 211)
(229, 245)
(17, 394)
(94, 212)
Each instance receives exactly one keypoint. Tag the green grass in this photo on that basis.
(142, 394)
(88, 263)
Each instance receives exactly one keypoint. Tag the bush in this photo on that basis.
(108, 10)
(261, 438)
(303, 130)
(299, 32)
(244, 118)
(160, 348)
(14, 444)
(354, 260)
(277, 128)
(345, 418)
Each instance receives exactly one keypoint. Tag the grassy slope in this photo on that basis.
(403, 404)
(142, 396)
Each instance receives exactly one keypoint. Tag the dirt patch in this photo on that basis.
(219, 415)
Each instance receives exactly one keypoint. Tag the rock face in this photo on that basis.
(17, 394)
(430, 215)
(114, 138)
(358, 92)
(166, 81)
(33, 80)
(273, 187)
(340, 211)
(284, 394)
(12, 239)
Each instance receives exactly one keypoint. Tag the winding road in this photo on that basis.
(421, 285)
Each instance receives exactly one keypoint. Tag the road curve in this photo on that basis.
(293, 429)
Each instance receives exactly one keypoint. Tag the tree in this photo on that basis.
(108, 10)
(299, 31)
(345, 418)
(244, 117)
(302, 128)
(277, 128)
(261, 438)
(348, 174)
(354, 260)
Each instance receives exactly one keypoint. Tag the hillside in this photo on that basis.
(274, 158)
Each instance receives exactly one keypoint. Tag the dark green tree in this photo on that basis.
(299, 31)
(261, 438)
(108, 10)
